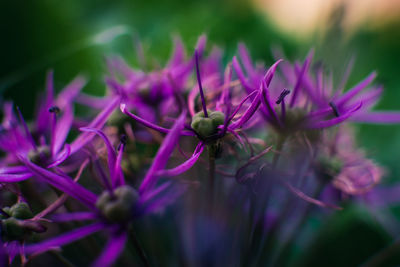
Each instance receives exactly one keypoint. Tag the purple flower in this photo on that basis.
(150, 93)
(301, 99)
(45, 145)
(349, 170)
(280, 118)
(118, 204)
(209, 126)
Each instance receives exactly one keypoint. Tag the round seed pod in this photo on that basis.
(206, 127)
(217, 117)
(118, 207)
(21, 211)
(13, 230)
(203, 126)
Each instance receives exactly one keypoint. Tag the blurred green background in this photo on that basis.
(48, 34)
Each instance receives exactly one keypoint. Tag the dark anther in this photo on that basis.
(334, 108)
(282, 96)
(54, 109)
(123, 141)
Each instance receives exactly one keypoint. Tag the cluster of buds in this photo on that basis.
(239, 155)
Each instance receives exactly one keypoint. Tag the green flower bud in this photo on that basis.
(21, 211)
(217, 117)
(206, 127)
(200, 114)
(103, 200)
(127, 194)
(119, 207)
(118, 211)
(203, 126)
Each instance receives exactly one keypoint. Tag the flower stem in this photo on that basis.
(279, 146)
(139, 248)
(211, 177)
(61, 258)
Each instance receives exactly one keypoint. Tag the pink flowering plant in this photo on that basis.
(194, 163)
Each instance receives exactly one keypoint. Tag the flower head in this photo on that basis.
(118, 204)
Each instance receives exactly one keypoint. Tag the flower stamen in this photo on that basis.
(203, 101)
(334, 108)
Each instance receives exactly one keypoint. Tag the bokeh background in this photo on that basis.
(74, 37)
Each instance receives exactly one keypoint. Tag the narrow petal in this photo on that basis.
(149, 124)
(299, 81)
(269, 105)
(98, 122)
(61, 157)
(201, 44)
(237, 136)
(379, 117)
(92, 101)
(64, 239)
(70, 92)
(28, 134)
(66, 185)
(332, 122)
(112, 250)
(3, 255)
(43, 114)
(13, 169)
(142, 121)
(245, 57)
(110, 149)
(13, 248)
(185, 165)
(239, 106)
(355, 90)
(74, 216)
(118, 178)
(158, 199)
(248, 113)
(309, 199)
(163, 154)
(316, 96)
(346, 76)
(62, 129)
(178, 56)
(240, 75)
(14, 177)
(271, 72)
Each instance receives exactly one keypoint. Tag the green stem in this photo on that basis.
(211, 177)
(139, 248)
(61, 258)
(279, 146)
(255, 231)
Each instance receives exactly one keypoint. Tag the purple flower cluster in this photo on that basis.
(260, 138)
